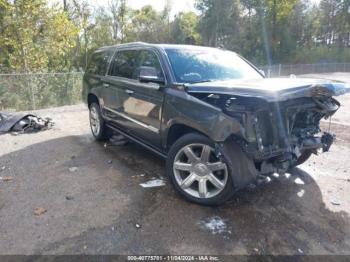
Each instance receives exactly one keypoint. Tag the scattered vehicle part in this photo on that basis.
(153, 183)
(73, 169)
(215, 225)
(20, 122)
(118, 140)
(220, 124)
(301, 193)
(38, 211)
(298, 181)
(335, 202)
(6, 178)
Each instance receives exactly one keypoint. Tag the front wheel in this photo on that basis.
(197, 173)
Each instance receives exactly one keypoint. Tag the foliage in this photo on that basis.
(38, 36)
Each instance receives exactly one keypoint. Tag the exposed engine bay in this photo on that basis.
(276, 135)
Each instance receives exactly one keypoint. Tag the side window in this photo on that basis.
(98, 63)
(149, 59)
(125, 64)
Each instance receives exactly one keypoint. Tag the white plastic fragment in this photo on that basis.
(73, 169)
(153, 183)
(301, 193)
(335, 202)
(298, 181)
(215, 225)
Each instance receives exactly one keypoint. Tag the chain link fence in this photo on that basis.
(20, 92)
(301, 69)
(39, 90)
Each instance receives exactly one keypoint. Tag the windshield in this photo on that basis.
(194, 66)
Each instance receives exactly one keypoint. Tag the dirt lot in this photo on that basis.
(100, 208)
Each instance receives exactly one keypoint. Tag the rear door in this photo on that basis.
(119, 76)
(96, 71)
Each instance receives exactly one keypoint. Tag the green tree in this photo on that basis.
(185, 29)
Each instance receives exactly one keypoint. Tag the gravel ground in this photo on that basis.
(98, 207)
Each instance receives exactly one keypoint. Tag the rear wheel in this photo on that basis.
(197, 173)
(98, 127)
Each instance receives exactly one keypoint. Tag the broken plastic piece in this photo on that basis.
(153, 183)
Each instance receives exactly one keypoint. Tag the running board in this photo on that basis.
(155, 151)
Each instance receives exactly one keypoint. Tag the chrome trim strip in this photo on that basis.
(151, 128)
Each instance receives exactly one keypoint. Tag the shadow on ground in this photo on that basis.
(95, 209)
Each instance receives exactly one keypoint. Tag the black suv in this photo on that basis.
(216, 119)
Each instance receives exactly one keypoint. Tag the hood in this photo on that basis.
(273, 89)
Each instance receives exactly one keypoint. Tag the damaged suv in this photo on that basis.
(216, 119)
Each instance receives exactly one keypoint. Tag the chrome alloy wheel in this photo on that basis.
(94, 121)
(199, 172)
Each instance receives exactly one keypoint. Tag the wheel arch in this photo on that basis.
(178, 130)
(92, 98)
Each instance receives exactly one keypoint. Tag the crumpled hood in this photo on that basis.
(273, 89)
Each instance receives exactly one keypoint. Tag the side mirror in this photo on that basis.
(149, 74)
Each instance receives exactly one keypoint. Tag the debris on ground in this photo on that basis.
(215, 225)
(300, 251)
(39, 211)
(251, 187)
(109, 162)
(2, 168)
(73, 169)
(118, 140)
(137, 225)
(301, 193)
(6, 178)
(344, 179)
(335, 202)
(23, 123)
(69, 198)
(153, 183)
(298, 181)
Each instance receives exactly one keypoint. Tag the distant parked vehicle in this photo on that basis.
(216, 119)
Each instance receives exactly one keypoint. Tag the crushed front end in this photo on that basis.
(279, 127)
(279, 133)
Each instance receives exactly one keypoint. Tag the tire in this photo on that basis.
(191, 167)
(304, 157)
(98, 127)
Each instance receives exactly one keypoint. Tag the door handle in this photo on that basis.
(129, 91)
(105, 85)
